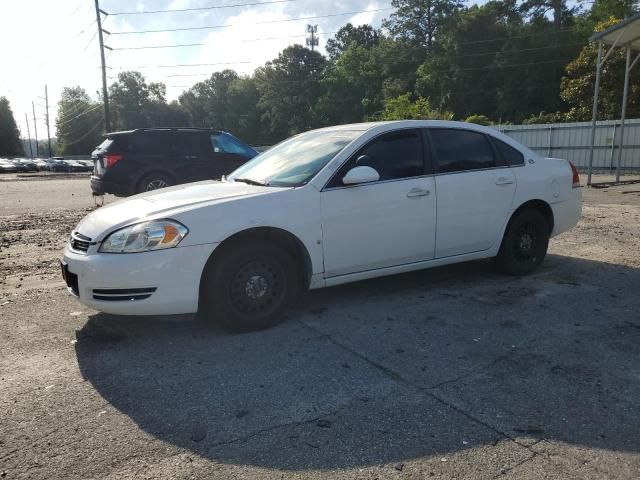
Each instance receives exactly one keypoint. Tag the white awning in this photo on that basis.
(623, 34)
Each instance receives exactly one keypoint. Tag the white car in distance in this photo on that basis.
(323, 208)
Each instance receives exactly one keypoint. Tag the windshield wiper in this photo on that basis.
(249, 181)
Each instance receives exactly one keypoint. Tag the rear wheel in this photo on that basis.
(154, 181)
(249, 286)
(525, 243)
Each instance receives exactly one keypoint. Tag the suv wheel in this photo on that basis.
(154, 181)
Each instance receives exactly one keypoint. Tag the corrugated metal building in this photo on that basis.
(572, 141)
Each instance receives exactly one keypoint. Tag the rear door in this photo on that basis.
(474, 188)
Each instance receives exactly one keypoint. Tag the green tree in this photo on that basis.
(478, 120)
(208, 102)
(491, 62)
(578, 83)
(289, 88)
(602, 10)
(540, 8)
(363, 35)
(402, 108)
(10, 144)
(79, 123)
(137, 104)
(420, 21)
(352, 87)
(243, 99)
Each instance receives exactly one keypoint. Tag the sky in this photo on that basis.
(60, 46)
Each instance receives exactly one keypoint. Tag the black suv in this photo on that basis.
(144, 159)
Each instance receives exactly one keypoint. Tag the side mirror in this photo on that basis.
(360, 175)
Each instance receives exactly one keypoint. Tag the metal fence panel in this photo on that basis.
(572, 141)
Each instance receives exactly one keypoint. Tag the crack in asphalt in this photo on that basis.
(425, 390)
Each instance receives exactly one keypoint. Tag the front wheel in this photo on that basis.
(249, 286)
(525, 243)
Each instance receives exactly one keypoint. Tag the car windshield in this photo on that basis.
(295, 161)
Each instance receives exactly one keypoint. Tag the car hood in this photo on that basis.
(163, 204)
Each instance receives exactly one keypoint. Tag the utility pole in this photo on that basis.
(46, 100)
(312, 41)
(26, 117)
(35, 127)
(104, 67)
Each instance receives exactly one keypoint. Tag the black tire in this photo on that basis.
(154, 181)
(525, 243)
(249, 286)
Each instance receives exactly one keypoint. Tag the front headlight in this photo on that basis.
(143, 237)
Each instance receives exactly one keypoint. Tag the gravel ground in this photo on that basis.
(455, 372)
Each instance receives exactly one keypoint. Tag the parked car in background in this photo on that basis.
(41, 164)
(323, 208)
(57, 164)
(76, 166)
(25, 165)
(145, 159)
(7, 167)
(87, 165)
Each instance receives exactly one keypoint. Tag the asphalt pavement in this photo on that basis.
(454, 372)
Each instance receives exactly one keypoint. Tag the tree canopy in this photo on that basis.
(10, 144)
(505, 61)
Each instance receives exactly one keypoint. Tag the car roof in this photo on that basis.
(162, 129)
(407, 124)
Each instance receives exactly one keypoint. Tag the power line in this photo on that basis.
(492, 52)
(90, 40)
(136, 32)
(325, 16)
(511, 65)
(90, 131)
(91, 109)
(182, 65)
(159, 46)
(194, 9)
(207, 27)
(495, 39)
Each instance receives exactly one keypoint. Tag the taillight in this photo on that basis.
(110, 159)
(576, 177)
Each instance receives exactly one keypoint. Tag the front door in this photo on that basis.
(196, 154)
(385, 223)
(475, 192)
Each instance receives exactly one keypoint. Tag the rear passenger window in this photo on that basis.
(151, 143)
(461, 150)
(510, 155)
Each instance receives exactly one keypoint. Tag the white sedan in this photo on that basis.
(323, 208)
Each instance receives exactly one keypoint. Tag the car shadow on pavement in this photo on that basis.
(428, 363)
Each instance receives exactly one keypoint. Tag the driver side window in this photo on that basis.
(393, 155)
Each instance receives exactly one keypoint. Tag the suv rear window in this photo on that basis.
(147, 143)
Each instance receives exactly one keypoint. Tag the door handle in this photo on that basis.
(504, 181)
(190, 157)
(417, 192)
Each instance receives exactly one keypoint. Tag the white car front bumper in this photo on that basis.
(162, 282)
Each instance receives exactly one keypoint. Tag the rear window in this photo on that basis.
(104, 146)
(510, 155)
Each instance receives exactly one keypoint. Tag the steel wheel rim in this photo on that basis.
(257, 288)
(526, 245)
